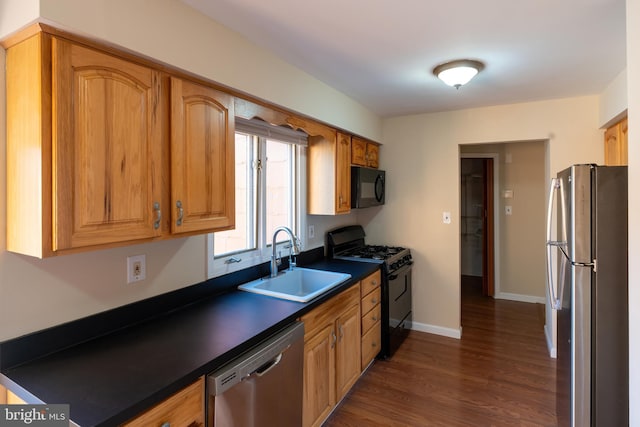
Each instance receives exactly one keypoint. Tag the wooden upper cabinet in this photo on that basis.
(83, 148)
(106, 144)
(106, 149)
(615, 144)
(364, 153)
(329, 174)
(202, 158)
(343, 173)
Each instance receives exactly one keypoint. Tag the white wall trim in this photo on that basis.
(437, 330)
(520, 297)
(553, 352)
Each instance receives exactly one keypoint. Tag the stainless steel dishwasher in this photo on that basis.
(262, 387)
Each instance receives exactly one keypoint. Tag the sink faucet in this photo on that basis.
(295, 247)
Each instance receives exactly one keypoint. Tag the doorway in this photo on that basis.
(477, 222)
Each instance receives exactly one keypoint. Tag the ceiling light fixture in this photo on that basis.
(459, 72)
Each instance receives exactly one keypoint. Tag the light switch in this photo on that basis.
(446, 217)
(508, 194)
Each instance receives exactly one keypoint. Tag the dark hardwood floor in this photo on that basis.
(498, 374)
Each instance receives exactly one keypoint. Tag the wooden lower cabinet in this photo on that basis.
(7, 397)
(183, 409)
(371, 318)
(331, 354)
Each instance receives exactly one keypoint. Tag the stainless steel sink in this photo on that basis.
(299, 284)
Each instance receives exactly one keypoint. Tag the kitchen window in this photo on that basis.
(270, 170)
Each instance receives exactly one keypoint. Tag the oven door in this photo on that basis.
(399, 283)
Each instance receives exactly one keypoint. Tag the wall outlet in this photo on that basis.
(136, 268)
(508, 210)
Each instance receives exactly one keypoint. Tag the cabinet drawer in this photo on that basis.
(370, 300)
(370, 283)
(326, 313)
(185, 408)
(370, 318)
(371, 344)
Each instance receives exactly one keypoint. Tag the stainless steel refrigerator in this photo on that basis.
(589, 254)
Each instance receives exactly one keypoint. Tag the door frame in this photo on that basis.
(496, 216)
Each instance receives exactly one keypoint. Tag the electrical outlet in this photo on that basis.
(508, 210)
(136, 268)
(312, 232)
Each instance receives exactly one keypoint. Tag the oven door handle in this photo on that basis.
(404, 291)
(393, 277)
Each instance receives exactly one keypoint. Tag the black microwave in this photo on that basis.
(367, 187)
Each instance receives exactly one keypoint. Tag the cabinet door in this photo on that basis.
(202, 158)
(343, 173)
(358, 152)
(372, 155)
(348, 363)
(319, 396)
(107, 145)
(615, 144)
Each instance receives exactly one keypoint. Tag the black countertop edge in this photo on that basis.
(59, 377)
(38, 344)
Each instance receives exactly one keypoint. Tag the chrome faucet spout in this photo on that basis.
(295, 247)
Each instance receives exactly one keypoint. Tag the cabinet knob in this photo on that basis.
(156, 209)
(180, 213)
(166, 424)
(333, 335)
(373, 344)
(374, 318)
(374, 300)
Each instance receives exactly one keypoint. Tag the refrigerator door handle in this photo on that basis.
(556, 186)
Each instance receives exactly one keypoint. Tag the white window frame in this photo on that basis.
(217, 266)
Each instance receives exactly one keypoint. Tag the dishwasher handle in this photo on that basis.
(264, 369)
(258, 360)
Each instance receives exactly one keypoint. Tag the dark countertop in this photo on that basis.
(112, 378)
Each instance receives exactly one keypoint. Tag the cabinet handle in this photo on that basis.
(374, 318)
(374, 301)
(180, 213)
(374, 283)
(373, 344)
(167, 424)
(333, 335)
(156, 209)
(341, 332)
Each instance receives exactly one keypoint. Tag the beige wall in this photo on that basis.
(421, 157)
(35, 294)
(633, 69)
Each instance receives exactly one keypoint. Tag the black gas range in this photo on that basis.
(349, 243)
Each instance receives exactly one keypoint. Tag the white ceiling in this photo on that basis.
(381, 52)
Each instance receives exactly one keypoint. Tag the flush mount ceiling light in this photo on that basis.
(459, 72)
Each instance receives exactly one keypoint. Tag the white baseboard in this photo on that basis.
(438, 330)
(520, 297)
(553, 352)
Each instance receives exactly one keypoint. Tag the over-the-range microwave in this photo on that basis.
(367, 187)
